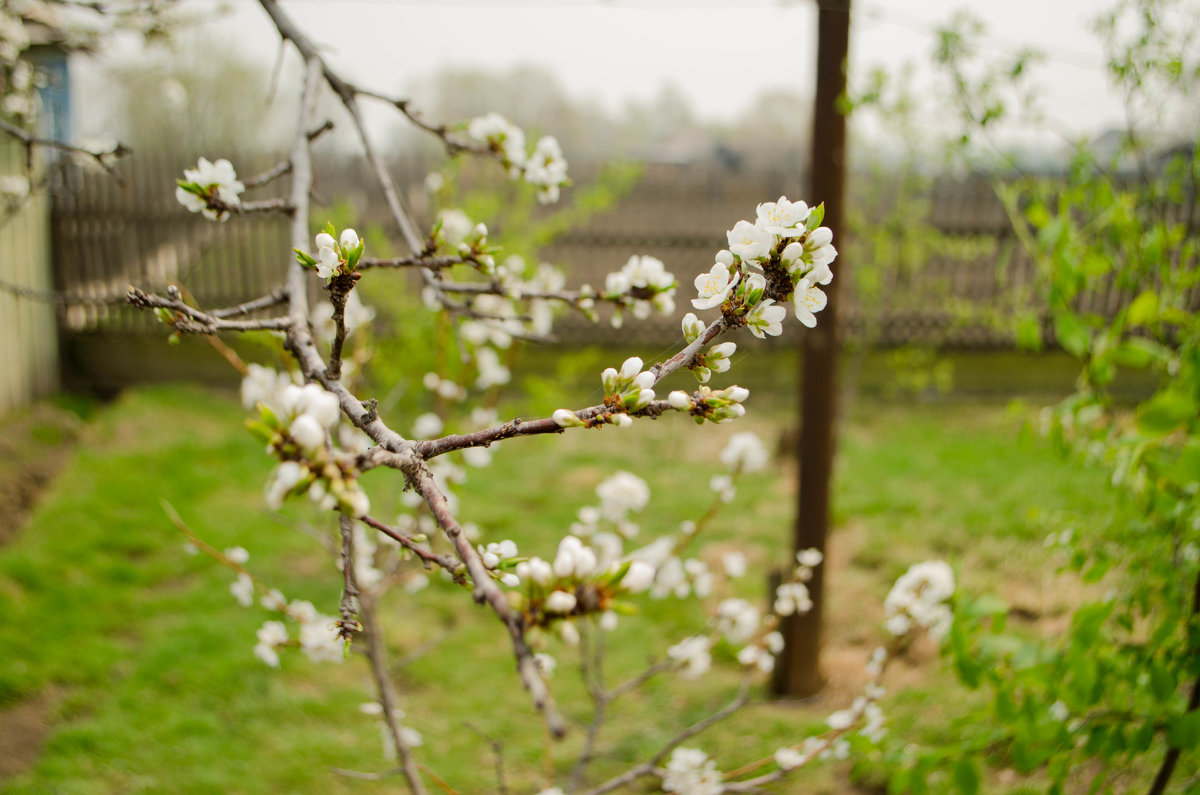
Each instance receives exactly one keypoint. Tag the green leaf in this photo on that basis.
(1143, 310)
(355, 255)
(966, 776)
(1183, 732)
(1162, 684)
(1071, 334)
(1037, 215)
(1166, 411)
(304, 258)
(1138, 353)
(988, 604)
(1086, 624)
(815, 217)
(1029, 331)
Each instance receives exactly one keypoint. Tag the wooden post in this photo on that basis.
(798, 671)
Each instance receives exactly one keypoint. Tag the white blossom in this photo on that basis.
(792, 597)
(502, 135)
(218, 180)
(783, 218)
(320, 641)
(766, 318)
(808, 303)
(622, 493)
(238, 555)
(491, 371)
(690, 772)
(744, 452)
(427, 426)
(287, 476)
(810, 558)
(919, 596)
(737, 619)
(734, 563)
(535, 570)
(243, 589)
(692, 656)
(789, 758)
(713, 287)
(722, 486)
(749, 241)
(456, 225)
(546, 664)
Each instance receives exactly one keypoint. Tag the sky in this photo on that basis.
(720, 54)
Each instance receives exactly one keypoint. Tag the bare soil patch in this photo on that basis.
(34, 445)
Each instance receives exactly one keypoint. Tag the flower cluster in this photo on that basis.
(713, 405)
(642, 285)
(318, 636)
(920, 598)
(626, 391)
(295, 423)
(690, 772)
(210, 188)
(793, 597)
(784, 254)
(744, 452)
(544, 168)
(334, 257)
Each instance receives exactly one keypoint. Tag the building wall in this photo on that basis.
(28, 327)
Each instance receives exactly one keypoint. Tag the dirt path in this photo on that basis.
(34, 445)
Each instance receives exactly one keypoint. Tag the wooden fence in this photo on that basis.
(29, 352)
(108, 235)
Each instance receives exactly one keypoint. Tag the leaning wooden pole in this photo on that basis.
(798, 672)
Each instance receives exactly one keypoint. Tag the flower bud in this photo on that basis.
(609, 379)
(325, 240)
(307, 432)
(630, 369)
(621, 420)
(680, 400)
(639, 400)
(693, 327)
(348, 240)
(644, 380)
(725, 257)
(565, 418)
(560, 602)
(638, 577)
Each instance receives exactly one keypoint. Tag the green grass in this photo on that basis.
(146, 659)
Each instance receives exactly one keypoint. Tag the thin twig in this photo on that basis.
(649, 767)
(486, 591)
(498, 750)
(190, 320)
(103, 157)
(377, 653)
(274, 298)
(428, 557)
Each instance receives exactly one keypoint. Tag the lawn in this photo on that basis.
(127, 664)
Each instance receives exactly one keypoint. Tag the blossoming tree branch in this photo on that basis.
(325, 437)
